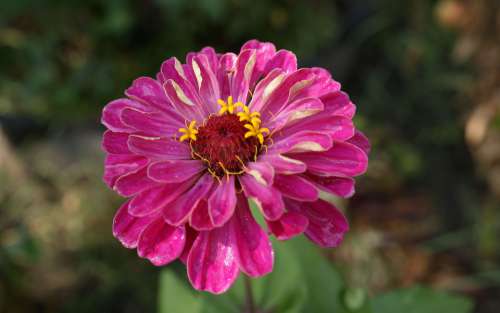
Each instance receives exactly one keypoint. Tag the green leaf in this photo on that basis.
(175, 295)
(420, 300)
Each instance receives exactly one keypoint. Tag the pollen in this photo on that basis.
(189, 132)
(246, 115)
(254, 130)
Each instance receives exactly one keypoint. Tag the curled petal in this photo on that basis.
(115, 143)
(283, 59)
(339, 186)
(222, 202)
(161, 243)
(255, 252)
(178, 212)
(303, 141)
(296, 187)
(133, 183)
(116, 165)
(212, 264)
(174, 171)
(288, 226)
(284, 165)
(200, 218)
(157, 148)
(359, 140)
(149, 92)
(128, 228)
(268, 198)
(111, 114)
(327, 224)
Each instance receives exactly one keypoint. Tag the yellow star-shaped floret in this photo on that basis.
(189, 132)
(228, 106)
(246, 115)
(254, 130)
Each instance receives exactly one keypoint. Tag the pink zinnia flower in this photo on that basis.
(189, 148)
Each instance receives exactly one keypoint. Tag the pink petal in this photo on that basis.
(208, 86)
(359, 139)
(185, 100)
(243, 73)
(161, 243)
(339, 186)
(288, 226)
(174, 171)
(255, 252)
(283, 164)
(283, 59)
(133, 183)
(151, 200)
(153, 124)
(148, 91)
(302, 142)
(225, 72)
(222, 202)
(200, 218)
(327, 224)
(343, 159)
(321, 83)
(111, 114)
(296, 187)
(159, 148)
(261, 171)
(264, 52)
(177, 212)
(338, 103)
(266, 88)
(338, 127)
(266, 197)
(128, 228)
(212, 264)
(115, 143)
(116, 165)
(295, 111)
(191, 235)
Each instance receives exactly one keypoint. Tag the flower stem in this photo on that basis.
(250, 303)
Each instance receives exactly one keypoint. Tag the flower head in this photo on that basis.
(191, 146)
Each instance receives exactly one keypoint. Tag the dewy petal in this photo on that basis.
(359, 140)
(178, 212)
(200, 219)
(339, 186)
(174, 171)
(303, 141)
(296, 187)
(116, 165)
(255, 252)
(267, 198)
(159, 148)
(283, 59)
(212, 263)
(111, 114)
(283, 164)
(327, 224)
(133, 183)
(288, 226)
(343, 159)
(161, 243)
(222, 202)
(243, 73)
(153, 124)
(149, 91)
(151, 200)
(128, 228)
(115, 143)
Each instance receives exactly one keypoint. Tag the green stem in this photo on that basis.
(250, 303)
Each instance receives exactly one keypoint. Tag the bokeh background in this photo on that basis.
(425, 222)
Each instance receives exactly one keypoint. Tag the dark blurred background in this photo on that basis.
(424, 74)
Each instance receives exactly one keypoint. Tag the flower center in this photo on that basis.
(221, 143)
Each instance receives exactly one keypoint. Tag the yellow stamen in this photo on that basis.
(246, 115)
(228, 106)
(189, 132)
(254, 130)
